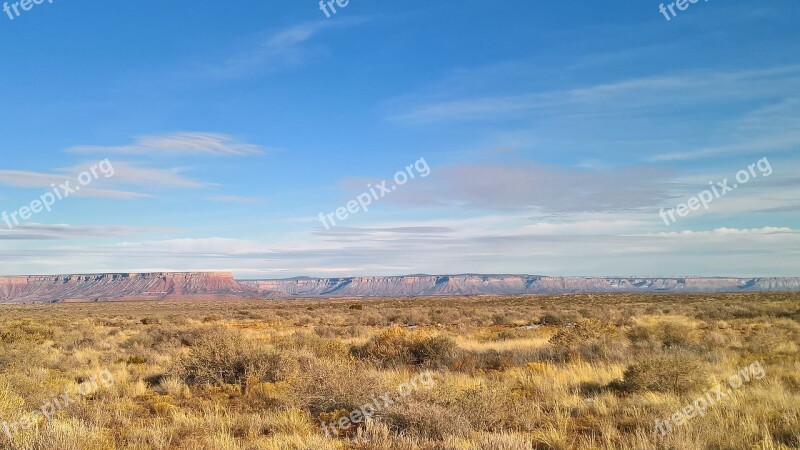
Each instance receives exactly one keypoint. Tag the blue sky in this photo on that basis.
(555, 133)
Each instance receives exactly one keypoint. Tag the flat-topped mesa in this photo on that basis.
(476, 284)
(109, 286)
(117, 286)
(82, 277)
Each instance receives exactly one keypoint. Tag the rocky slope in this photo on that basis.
(117, 286)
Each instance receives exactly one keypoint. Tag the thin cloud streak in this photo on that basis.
(181, 144)
(711, 253)
(629, 94)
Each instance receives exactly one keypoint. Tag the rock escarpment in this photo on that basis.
(111, 286)
(119, 286)
(421, 285)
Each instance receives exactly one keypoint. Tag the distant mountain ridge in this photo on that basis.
(474, 284)
(154, 285)
(111, 286)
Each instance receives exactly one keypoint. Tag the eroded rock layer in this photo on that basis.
(117, 286)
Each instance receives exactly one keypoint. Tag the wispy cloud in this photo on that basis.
(377, 232)
(775, 127)
(280, 50)
(632, 94)
(779, 142)
(729, 231)
(726, 251)
(127, 176)
(234, 199)
(35, 231)
(148, 177)
(44, 180)
(527, 186)
(185, 143)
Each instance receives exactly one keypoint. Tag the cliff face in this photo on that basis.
(111, 286)
(506, 284)
(115, 286)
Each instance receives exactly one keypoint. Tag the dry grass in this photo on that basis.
(547, 372)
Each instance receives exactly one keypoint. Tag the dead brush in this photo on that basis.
(398, 347)
(221, 357)
(590, 340)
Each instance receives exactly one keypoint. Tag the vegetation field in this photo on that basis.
(497, 373)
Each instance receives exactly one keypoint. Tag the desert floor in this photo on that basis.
(717, 371)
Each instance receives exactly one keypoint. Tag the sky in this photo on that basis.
(531, 137)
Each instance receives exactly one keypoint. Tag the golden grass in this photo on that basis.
(519, 372)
